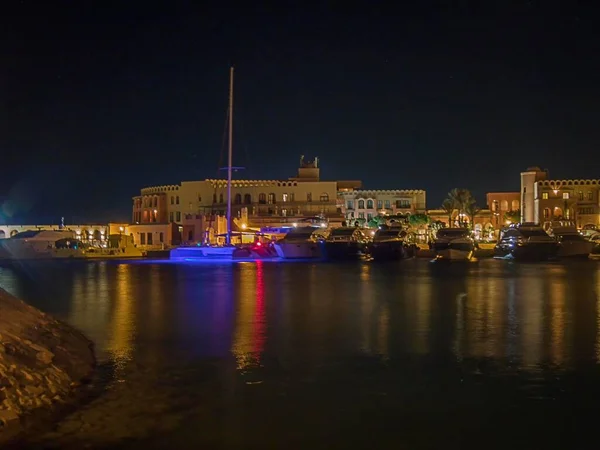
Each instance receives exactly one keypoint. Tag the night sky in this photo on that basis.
(97, 102)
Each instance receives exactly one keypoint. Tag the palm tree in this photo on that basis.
(471, 211)
(461, 199)
(448, 207)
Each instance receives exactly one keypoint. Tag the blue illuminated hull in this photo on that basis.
(202, 252)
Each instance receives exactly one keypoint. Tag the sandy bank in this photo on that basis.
(42, 361)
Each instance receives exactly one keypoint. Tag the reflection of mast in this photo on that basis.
(249, 340)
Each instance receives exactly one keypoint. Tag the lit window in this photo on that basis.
(324, 197)
(285, 197)
(566, 195)
(580, 195)
(545, 195)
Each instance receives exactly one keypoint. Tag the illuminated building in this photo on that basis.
(499, 203)
(85, 233)
(366, 204)
(545, 200)
(255, 203)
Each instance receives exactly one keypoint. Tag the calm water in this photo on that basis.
(299, 355)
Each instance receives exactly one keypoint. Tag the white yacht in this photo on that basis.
(454, 244)
(299, 243)
(60, 244)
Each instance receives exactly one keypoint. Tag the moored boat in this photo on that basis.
(572, 243)
(299, 243)
(62, 244)
(344, 243)
(389, 244)
(453, 244)
(526, 241)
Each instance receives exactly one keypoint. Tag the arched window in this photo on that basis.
(324, 197)
(504, 205)
(247, 199)
(515, 205)
(237, 199)
(495, 205)
(369, 204)
(271, 199)
(361, 204)
(262, 199)
(177, 200)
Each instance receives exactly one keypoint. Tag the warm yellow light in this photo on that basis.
(121, 229)
(155, 211)
(294, 224)
(372, 233)
(555, 191)
(508, 222)
(244, 226)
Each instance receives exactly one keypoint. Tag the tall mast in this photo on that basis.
(230, 156)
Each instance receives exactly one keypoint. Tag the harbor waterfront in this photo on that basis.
(266, 354)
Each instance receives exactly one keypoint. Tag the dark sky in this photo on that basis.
(99, 101)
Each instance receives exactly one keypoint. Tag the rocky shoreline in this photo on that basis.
(42, 363)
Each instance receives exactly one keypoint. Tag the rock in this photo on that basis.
(6, 417)
(45, 357)
(42, 361)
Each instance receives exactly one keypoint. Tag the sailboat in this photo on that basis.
(225, 251)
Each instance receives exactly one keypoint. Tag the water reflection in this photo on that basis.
(123, 321)
(310, 314)
(250, 326)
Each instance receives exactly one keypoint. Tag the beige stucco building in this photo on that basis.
(86, 233)
(255, 203)
(366, 204)
(545, 200)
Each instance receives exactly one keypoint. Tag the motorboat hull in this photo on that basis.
(454, 251)
(530, 252)
(343, 250)
(388, 251)
(225, 252)
(299, 250)
(575, 249)
(454, 254)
